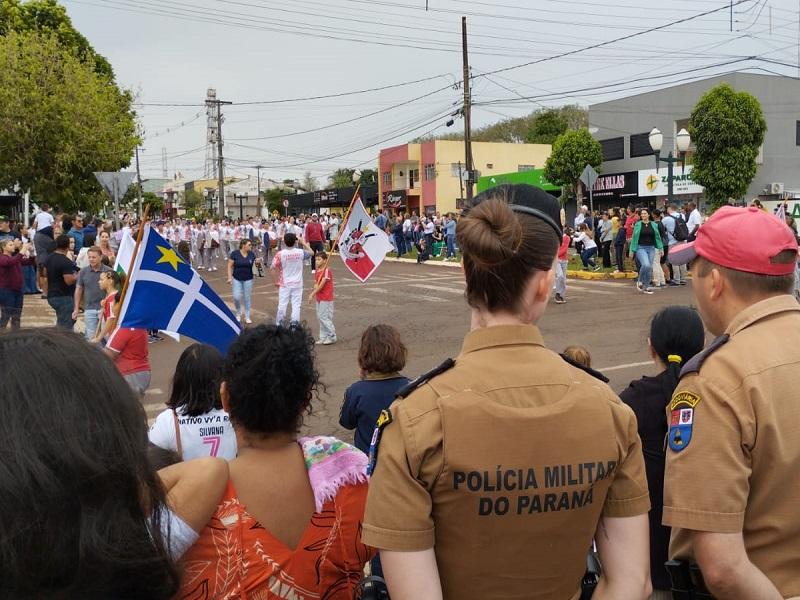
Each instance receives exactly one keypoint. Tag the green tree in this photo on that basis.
(341, 178)
(368, 177)
(59, 122)
(727, 128)
(154, 202)
(274, 200)
(192, 202)
(572, 151)
(547, 127)
(49, 17)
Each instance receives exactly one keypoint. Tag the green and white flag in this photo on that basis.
(125, 254)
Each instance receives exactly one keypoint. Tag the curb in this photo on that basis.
(598, 275)
(411, 261)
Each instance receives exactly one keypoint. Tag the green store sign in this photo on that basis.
(534, 177)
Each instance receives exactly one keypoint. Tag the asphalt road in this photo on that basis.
(426, 303)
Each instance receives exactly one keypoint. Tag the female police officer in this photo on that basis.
(494, 473)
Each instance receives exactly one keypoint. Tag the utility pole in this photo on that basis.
(467, 114)
(258, 198)
(731, 15)
(220, 160)
(139, 182)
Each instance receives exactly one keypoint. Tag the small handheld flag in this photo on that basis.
(164, 292)
(362, 245)
(124, 254)
(781, 213)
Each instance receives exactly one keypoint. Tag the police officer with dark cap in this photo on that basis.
(492, 474)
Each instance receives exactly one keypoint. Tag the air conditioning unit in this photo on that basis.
(776, 188)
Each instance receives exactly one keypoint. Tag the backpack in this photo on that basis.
(681, 233)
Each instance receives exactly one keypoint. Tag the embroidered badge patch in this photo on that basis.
(681, 420)
(383, 420)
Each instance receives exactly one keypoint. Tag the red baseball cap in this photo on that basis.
(743, 239)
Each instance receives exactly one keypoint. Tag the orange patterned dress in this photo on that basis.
(236, 557)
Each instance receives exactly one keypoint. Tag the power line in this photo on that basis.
(615, 40)
(348, 121)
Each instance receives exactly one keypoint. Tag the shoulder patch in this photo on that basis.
(589, 370)
(681, 410)
(406, 390)
(693, 364)
(383, 420)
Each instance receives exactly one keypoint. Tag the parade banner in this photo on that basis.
(362, 245)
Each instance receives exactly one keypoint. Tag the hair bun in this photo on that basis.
(490, 234)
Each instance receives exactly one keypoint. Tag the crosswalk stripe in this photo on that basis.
(437, 288)
(588, 290)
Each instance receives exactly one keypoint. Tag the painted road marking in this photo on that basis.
(437, 288)
(628, 366)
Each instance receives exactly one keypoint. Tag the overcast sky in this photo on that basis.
(171, 51)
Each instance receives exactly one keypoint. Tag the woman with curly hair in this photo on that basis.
(289, 522)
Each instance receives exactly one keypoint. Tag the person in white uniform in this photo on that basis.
(287, 274)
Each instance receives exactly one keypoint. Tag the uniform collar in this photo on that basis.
(760, 310)
(501, 335)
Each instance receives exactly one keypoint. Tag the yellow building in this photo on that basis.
(430, 176)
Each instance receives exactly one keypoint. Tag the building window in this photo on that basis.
(797, 134)
(640, 145)
(614, 148)
(413, 178)
(523, 168)
(430, 172)
(387, 178)
(457, 169)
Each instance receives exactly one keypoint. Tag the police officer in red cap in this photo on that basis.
(732, 486)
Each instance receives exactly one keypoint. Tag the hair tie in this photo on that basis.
(674, 358)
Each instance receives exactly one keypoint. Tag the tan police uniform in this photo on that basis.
(735, 465)
(504, 464)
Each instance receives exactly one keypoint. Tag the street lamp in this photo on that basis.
(683, 140)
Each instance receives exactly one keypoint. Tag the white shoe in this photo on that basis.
(328, 342)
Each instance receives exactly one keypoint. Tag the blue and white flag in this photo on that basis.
(166, 293)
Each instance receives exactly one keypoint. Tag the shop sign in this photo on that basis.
(616, 186)
(653, 182)
(394, 199)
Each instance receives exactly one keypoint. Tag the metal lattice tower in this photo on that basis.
(212, 132)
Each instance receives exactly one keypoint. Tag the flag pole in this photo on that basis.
(139, 235)
(347, 216)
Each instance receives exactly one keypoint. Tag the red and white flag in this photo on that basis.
(362, 245)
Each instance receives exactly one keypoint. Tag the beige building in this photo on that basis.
(431, 176)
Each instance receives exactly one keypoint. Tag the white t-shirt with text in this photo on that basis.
(210, 434)
(289, 264)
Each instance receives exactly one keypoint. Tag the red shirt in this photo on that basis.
(131, 347)
(326, 293)
(108, 307)
(11, 271)
(562, 250)
(629, 223)
(314, 232)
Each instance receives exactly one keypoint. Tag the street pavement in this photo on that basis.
(426, 303)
